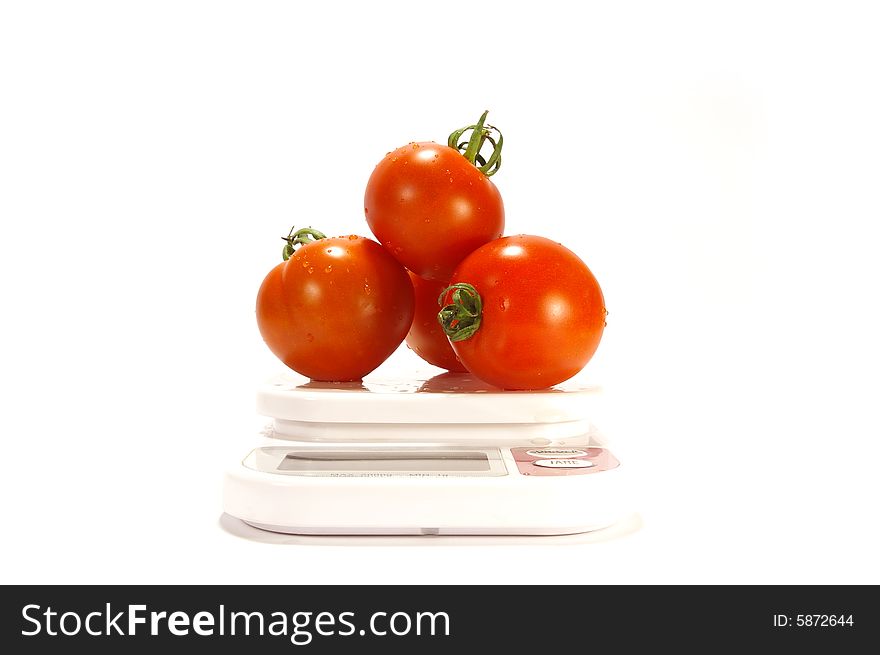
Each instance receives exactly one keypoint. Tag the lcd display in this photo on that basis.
(396, 461)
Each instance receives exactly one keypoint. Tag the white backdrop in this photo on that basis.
(715, 164)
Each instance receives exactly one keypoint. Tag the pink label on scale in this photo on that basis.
(563, 461)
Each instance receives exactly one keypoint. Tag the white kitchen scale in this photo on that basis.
(444, 456)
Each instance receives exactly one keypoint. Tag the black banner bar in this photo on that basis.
(385, 619)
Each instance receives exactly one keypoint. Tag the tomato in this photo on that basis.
(336, 309)
(431, 206)
(426, 337)
(524, 312)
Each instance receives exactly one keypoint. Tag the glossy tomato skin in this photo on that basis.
(430, 207)
(426, 337)
(543, 313)
(336, 309)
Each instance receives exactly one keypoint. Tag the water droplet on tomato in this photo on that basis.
(311, 269)
(310, 337)
(328, 269)
(415, 146)
(352, 237)
(504, 304)
(450, 179)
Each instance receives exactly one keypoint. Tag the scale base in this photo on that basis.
(444, 456)
(297, 489)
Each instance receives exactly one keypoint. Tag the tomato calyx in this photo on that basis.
(471, 147)
(299, 238)
(461, 318)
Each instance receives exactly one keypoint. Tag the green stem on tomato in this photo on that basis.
(461, 318)
(299, 238)
(471, 147)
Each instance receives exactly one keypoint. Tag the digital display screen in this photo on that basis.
(397, 461)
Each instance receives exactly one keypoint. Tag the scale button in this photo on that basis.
(556, 453)
(564, 463)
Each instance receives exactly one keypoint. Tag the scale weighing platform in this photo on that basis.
(444, 456)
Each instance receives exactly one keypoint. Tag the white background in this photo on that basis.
(716, 165)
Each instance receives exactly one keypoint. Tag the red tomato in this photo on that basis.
(532, 317)
(426, 337)
(431, 207)
(336, 309)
